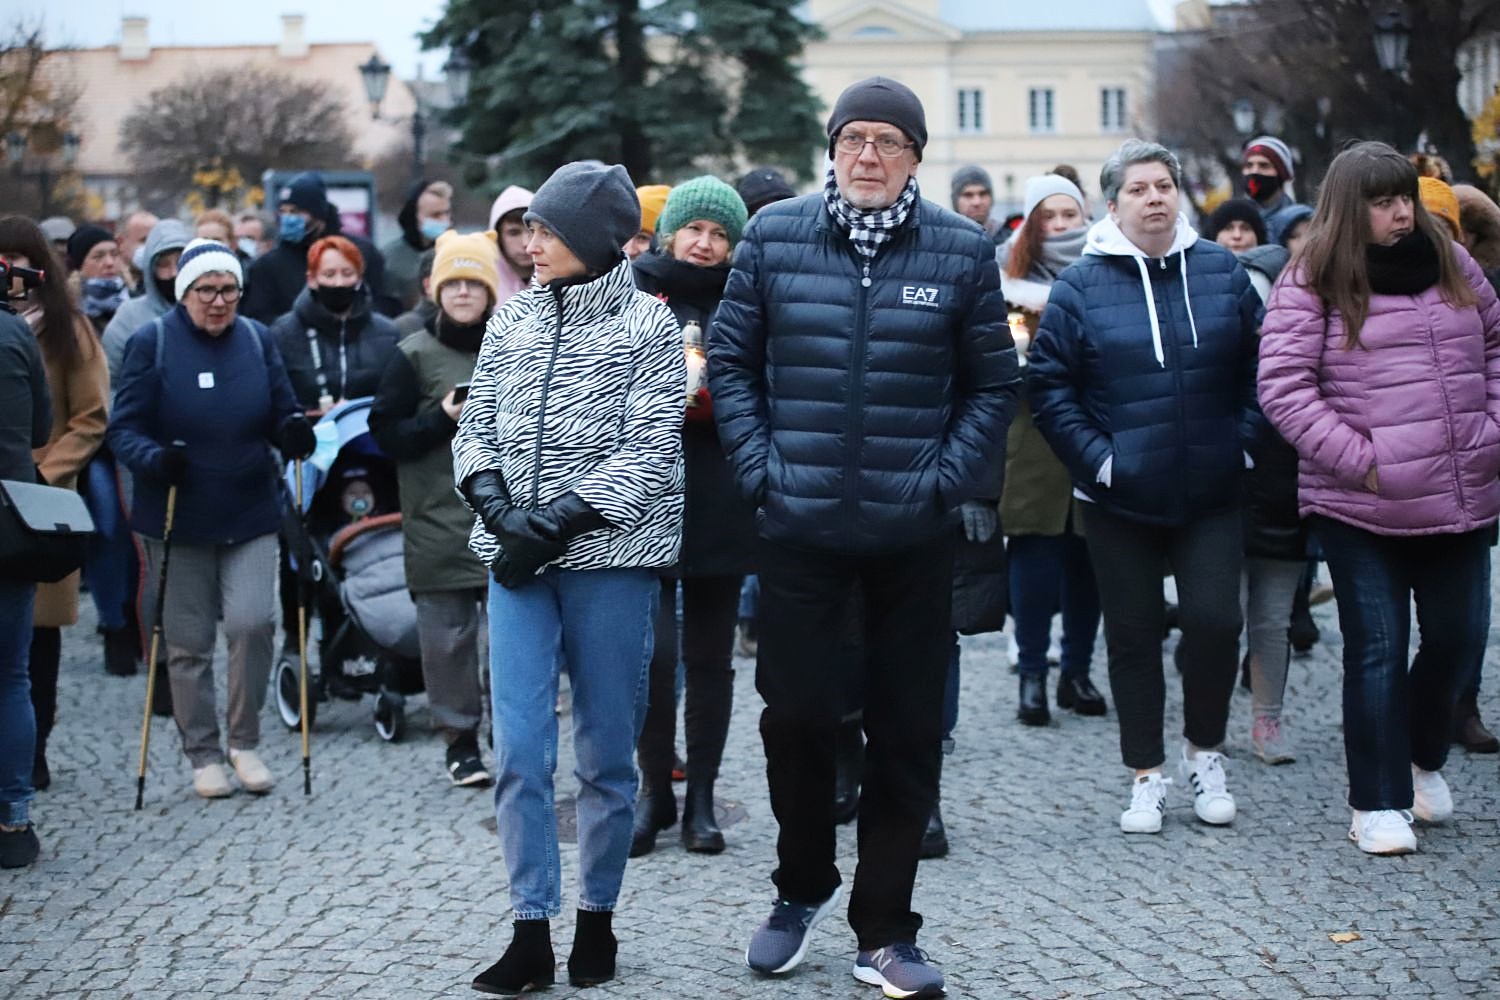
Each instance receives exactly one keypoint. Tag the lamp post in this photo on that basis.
(1392, 36)
(376, 74)
(1243, 113)
(16, 142)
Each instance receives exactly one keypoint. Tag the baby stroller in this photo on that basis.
(345, 543)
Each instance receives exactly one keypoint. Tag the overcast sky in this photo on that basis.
(390, 24)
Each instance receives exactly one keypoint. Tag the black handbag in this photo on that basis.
(44, 532)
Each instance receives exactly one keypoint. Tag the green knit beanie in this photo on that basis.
(704, 198)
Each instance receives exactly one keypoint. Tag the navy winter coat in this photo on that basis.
(226, 398)
(861, 402)
(1179, 428)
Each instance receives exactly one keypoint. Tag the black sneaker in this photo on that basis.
(19, 848)
(465, 768)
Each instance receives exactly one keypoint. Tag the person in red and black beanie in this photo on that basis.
(1266, 166)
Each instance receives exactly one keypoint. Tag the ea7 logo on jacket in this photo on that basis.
(919, 295)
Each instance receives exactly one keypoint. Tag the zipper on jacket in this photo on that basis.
(541, 418)
(856, 401)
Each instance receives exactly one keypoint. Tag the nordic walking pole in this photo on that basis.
(161, 599)
(302, 648)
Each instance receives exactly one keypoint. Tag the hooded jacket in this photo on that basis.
(1148, 364)
(166, 235)
(579, 388)
(277, 277)
(509, 200)
(403, 255)
(1418, 399)
(860, 401)
(353, 349)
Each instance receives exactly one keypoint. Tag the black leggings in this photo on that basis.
(46, 655)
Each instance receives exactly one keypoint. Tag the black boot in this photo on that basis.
(593, 958)
(935, 837)
(710, 699)
(1469, 730)
(122, 651)
(526, 965)
(1079, 694)
(655, 810)
(41, 776)
(1032, 709)
(161, 696)
(1303, 631)
(849, 765)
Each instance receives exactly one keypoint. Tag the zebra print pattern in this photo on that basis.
(582, 390)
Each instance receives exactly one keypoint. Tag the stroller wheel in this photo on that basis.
(390, 716)
(288, 690)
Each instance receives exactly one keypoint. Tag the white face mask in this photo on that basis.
(248, 247)
(138, 259)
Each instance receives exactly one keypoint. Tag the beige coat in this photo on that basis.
(79, 399)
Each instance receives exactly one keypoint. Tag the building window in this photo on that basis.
(970, 112)
(1112, 109)
(1042, 113)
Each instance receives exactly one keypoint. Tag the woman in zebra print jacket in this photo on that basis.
(569, 451)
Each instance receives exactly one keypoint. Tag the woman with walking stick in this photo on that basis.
(202, 399)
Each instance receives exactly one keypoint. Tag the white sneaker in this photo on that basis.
(1431, 801)
(211, 782)
(1148, 800)
(253, 774)
(1211, 799)
(1383, 831)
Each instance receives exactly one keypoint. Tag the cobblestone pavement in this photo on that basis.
(388, 882)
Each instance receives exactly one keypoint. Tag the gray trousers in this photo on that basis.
(205, 583)
(451, 625)
(1266, 592)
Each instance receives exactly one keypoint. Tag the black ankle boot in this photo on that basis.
(655, 810)
(1032, 709)
(122, 651)
(935, 837)
(700, 828)
(526, 965)
(41, 775)
(849, 766)
(593, 959)
(161, 696)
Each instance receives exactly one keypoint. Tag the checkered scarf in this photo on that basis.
(869, 231)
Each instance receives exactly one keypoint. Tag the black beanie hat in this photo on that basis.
(592, 208)
(307, 192)
(84, 239)
(762, 186)
(879, 99)
(1237, 210)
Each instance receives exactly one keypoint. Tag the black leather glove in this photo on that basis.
(527, 543)
(174, 464)
(297, 437)
(488, 496)
(569, 516)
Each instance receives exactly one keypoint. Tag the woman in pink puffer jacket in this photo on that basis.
(1380, 364)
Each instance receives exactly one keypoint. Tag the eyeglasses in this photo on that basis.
(466, 285)
(887, 146)
(207, 293)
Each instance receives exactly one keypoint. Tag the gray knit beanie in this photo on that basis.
(878, 99)
(965, 176)
(592, 208)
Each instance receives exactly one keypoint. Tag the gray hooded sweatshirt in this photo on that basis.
(168, 234)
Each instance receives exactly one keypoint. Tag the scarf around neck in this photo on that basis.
(869, 231)
(1058, 254)
(1409, 266)
(103, 296)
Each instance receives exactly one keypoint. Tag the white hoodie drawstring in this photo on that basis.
(1161, 357)
(1188, 301)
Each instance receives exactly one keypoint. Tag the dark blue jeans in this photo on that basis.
(1395, 715)
(1048, 574)
(17, 720)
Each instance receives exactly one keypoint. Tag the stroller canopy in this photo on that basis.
(346, 426)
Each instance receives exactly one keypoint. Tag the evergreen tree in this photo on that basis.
(669, 89)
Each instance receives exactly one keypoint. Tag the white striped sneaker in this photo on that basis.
(1148, 799)
(1211, 799)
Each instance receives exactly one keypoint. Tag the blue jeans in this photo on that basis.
(1394, 715)
(17, 719)
(749, 598)
(598, 622)
(1051, 573)
(112, 568)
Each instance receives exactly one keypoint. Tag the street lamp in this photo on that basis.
(376, 73)
(459, 73)
(70, 143)
(377, 76)
(15, 154)
(1392, 39)
(1243, 113)
(15, 148)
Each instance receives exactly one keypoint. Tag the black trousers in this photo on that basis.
(1205, 555)
(710, 609)
(804, 615)
(46, 657)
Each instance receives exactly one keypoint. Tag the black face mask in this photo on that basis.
(336, 298)
(166, 288)
(1262, 187)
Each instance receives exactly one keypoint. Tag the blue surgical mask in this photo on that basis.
(433, 228)
(248, 247)
(293, 228)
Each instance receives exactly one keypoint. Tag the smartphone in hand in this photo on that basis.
(460, 392)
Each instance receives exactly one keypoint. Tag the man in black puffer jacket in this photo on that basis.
(863, 378)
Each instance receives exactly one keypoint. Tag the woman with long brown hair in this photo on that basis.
(78, 379)
(1380, 364)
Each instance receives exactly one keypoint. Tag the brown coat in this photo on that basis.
(79, 416)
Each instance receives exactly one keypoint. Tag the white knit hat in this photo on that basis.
(1039, 189)
(202, 257)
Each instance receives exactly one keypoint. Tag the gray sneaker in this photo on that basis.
(781, 942)
(900, 970)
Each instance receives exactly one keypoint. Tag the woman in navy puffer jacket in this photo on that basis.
(1143, 383)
